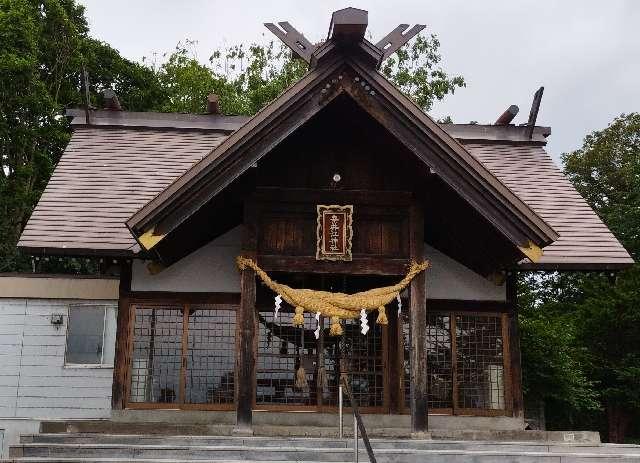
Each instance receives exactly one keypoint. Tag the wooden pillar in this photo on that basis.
(246, 340)
(121, 366)
(514, 346)
(418, 328)
(394, 359)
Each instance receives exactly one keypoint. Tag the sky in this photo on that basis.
(586, 53)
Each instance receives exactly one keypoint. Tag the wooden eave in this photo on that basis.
(481, 189)
(587, 265)
(84, 252)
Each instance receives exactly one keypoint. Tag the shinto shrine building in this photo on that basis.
(337, 185)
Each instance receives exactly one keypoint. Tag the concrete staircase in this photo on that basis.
(120, 448)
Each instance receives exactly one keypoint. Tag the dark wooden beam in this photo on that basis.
(228, 299)
(246, 327)
(358, 266)
(306, 195)
(293, 39)
(121, 363)
(458, 305)
(514, 346)
(418, 328)
(397, 38)
(533, 113)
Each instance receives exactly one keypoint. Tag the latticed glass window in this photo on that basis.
(183, 354)
(465, 361)
(282, 350)
(480, 362)
(210, 362)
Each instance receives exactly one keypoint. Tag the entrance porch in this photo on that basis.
(199, 335)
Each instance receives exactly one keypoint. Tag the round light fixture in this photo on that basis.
(336, 177)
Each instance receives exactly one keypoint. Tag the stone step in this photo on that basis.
(125, 452)
(272, 430)
(126, 460)
(207, 441)
(167, 429)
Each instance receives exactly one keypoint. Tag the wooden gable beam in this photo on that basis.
(533, 114)
(397, 38)
(297, 42)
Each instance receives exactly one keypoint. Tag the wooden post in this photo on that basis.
(514, 346)
(245, 386)
(121, 367)
(418, 328)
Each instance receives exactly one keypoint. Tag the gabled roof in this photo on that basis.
(585, 242)
(338, 74)
(104, 177)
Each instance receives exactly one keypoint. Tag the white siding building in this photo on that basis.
(36, 381)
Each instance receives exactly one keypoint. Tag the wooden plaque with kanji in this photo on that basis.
(335, 232)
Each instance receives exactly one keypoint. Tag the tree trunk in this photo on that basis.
(618, 419)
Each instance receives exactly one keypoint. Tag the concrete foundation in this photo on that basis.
(314, 419)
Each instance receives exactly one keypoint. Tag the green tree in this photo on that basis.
(31, 132)
(606, 171)
(44, 45)
(553, 363)
(244, 80)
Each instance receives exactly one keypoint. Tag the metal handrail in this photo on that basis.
(358, 424)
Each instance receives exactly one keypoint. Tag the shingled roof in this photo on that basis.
(116, 165)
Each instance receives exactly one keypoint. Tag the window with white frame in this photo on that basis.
(91, 332)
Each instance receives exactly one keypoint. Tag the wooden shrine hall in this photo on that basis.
(336, 187)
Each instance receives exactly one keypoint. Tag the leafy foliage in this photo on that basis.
(245, 81)
(548, 343)
(31, 132)
(416, 72)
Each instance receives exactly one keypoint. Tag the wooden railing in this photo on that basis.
(358, 419)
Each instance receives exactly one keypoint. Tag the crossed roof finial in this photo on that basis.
(348, 26)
